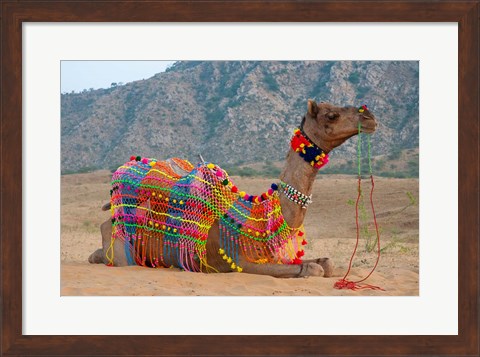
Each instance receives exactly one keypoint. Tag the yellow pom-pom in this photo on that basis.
(323, 155)
(175, 230)
(150, 222)
(302, 145)
(156, 224)
(221, 251)
(257, 233)
(233, 266)
(242, 194)
(164, 226)
(225, 257)
(210, 166)
(312, 163)
(167, 199)
(181, 202)
(152, 163)
(361, 110)
(249, 230)
(239, 269)
(229, 260)
(174, 201)
(317, 157)
(153, 193)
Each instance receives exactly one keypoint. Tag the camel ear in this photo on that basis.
(312, 108)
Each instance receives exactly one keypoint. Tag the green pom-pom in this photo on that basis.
(138, 158)
(225, 182)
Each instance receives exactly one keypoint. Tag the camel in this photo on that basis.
(224, 244)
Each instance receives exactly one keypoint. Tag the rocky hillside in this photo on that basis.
(233, 113)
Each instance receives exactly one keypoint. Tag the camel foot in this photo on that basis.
(311, 269)
(328, 266)
(326, 263)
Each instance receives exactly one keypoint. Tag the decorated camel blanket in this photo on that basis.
(163, 218)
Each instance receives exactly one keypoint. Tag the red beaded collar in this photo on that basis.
(310, 152)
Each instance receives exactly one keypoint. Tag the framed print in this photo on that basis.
(441, 37)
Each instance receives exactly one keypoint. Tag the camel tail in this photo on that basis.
(106, 206)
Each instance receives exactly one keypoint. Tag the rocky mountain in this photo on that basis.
(233, 113)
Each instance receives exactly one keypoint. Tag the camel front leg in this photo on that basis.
(283, 270)
(275, 270)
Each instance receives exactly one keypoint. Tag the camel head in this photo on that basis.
(330, 126)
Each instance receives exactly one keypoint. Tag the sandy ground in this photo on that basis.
(330, 230)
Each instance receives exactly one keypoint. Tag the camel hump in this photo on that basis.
(106, 206)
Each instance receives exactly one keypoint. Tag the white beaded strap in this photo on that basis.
(295, 196)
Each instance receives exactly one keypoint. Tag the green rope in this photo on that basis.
(359, 150)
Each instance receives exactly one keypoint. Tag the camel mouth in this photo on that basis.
(368, 125)
(368, 129)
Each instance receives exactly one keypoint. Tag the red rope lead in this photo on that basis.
(358, 229)
(355, 285)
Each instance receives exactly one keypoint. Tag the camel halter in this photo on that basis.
(344, 283)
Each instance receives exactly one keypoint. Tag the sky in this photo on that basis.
(79, 75)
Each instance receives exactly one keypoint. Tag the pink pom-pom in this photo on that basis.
(145, 160)
(270, 192)
(246, 197)
(219, 173)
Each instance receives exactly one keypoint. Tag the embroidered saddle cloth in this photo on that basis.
(163, 218)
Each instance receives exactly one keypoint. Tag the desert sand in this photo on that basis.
(330, 231)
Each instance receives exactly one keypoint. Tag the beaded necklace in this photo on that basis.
(295, 196)
(310, 152)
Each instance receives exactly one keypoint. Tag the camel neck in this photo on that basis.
(302, 164)
(301, 176)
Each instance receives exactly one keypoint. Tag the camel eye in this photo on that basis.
(332, 115)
